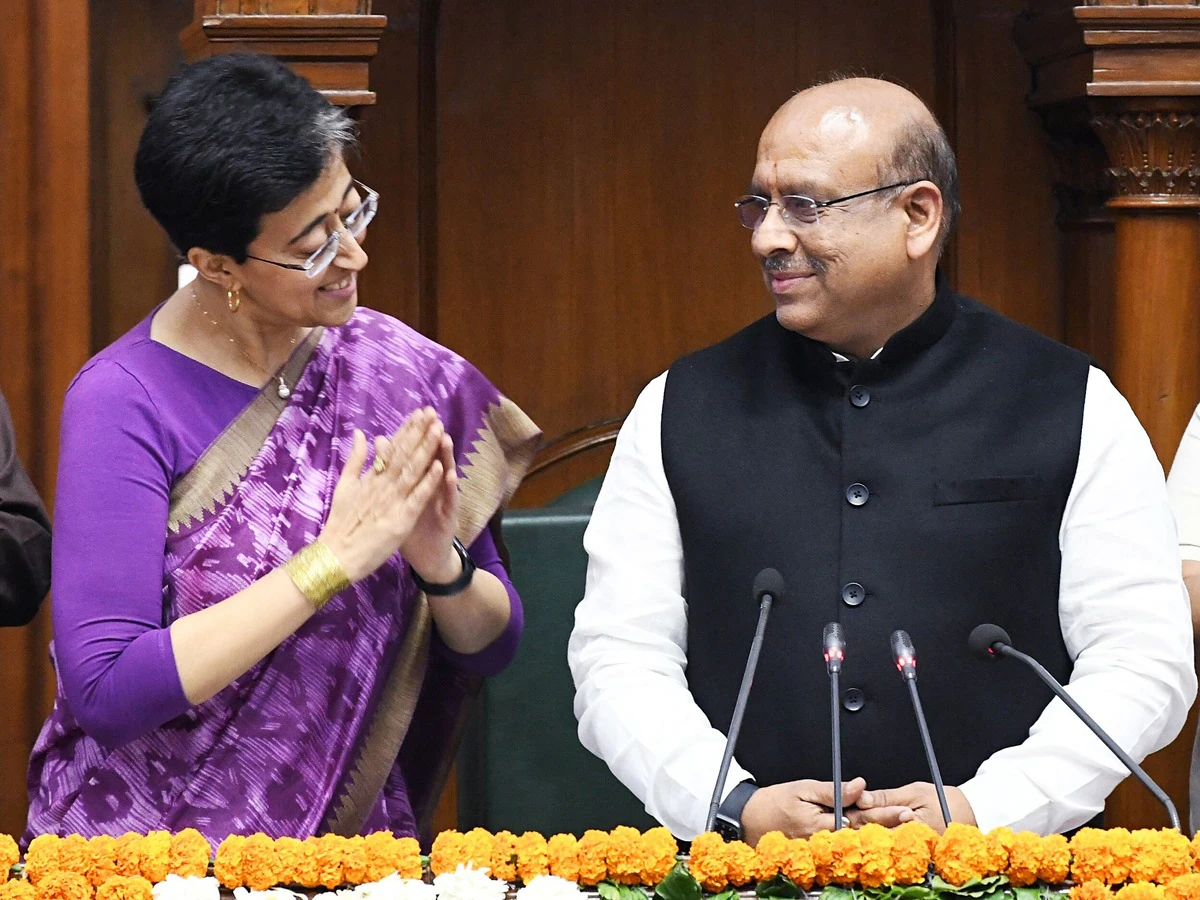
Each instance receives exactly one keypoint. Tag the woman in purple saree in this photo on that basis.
(215, 670)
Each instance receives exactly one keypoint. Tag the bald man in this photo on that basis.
(907, 458)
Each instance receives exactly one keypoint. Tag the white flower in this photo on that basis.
(393, 887)
(343, 894)
(176, 888)
(275, 893)
(469, 883)
(549, 887)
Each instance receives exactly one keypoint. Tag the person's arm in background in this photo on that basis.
(24, 535)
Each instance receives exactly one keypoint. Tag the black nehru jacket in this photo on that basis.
(923, 490)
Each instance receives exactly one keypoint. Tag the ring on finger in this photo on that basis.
(380, 464)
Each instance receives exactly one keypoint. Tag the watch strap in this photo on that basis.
(459, 584)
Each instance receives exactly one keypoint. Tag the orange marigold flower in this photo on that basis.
(1091, 889)
(260, 863)
(1093, 858)
(127, 854)
(503, 863)
(593, 855)
(41, 857)
(1196, 850)
(354, 860)
(120, 887)
(1024, 859)
(1158, 855)
(289, 857)
(17, 890)
(380, 847)
(741, 861)
(876, 868)
(625, 855)
(189, 854)
(154, 852)
(563, 853)
(847, 856)
(329, 856)
(479, 845)
(102, 862)
(1184, 887)
(64, 886)
(1141, 890)
(660, 848)
(708, 863)
(1175, 856)
(448, 852)
(798, 864)
(912, 851)
(1000, 841)
(408, 858)
(961, 854)
(228, 864)
(821, 847)
(1055, 863)
(10, 854)
(74, 855)
(308, 869)
(772, 849)
(532, 859)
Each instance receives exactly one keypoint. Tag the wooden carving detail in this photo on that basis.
(1154, 156)
(329, 42)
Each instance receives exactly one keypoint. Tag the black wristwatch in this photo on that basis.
(459, 584)
(728, 823)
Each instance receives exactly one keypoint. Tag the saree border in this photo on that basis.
(215, 476)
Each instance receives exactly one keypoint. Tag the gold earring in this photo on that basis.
(233, 299)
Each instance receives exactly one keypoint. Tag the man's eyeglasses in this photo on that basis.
(353, 224)
(795, 209)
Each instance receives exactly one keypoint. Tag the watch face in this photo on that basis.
(727, 829)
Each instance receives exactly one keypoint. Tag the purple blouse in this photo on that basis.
(135, 419)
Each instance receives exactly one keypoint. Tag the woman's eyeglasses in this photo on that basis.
(354, 224)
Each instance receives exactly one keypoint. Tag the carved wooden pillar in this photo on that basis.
(329, 42)
(1131, 71)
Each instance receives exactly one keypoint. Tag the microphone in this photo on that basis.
(991, 642)
(768, 589)
(905, 656)
(835, 653)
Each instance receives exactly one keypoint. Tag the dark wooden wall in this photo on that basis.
(557, 179)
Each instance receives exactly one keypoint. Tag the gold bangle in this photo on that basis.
(317, 574)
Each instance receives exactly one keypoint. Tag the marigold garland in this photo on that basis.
(17, 890)
(593, 854)
(478, 847)
(260, 862)
(799, 865)
(121, 887)
(1091, 890)
(1184, 887)
(1141, 890)
(189, 854)
(41, 857)
(912, 852)
(562, 851)
(448, 851)
(740, 863)
(102, 859)
(772, 851)
(660, 848)
(354, 860)
(876, 869)
(154, 856)
(532, 857)
(708, 862)
(961, 854)
(503, 863)
(1024, 859)
(127, 854)
(328, 851)
(1055, 862)
(64, 886)
(227, 866)
(10, 853)
(625, 855)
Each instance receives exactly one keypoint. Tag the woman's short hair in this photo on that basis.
(231, 139)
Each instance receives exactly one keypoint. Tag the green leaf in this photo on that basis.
(608, 890)
(779, 886)
(730, 894)
(1028, 893)
(679, 885)
(631, 892)
(833, 892)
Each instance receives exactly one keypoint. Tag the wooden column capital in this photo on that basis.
(1153, 153)
(329, 42)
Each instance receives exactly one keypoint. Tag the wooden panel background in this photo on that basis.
(557, 179)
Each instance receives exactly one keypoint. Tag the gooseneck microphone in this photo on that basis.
(768, 589)
(991, 642)
(835, 653)
(905, 656)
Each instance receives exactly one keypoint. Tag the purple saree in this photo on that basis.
(349, 724)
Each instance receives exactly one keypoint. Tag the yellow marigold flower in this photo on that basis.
(354, 860)
(821, 847)
(1175, 856)
(532, 858)
(289, 856)
(102, 862)
(772, 850)
(1000, 841)
(17, 890)
(380, 847)
(1024, 859)
(708, 863)
(1184, 887)
(912, 851)
(1092, 858)
(1158, 855)
(154, 853)
(408, 858)
(741, 861)
(10, 854)
(330, 854)
(961, 854)
(64, 886)
(660, 848)
(563, 853)
(120, 887)
(228, 864)
(593, 856)
(503, 863)
(127, 854)
(1055, 863)
(449, 850)
(847, 856)
(308, 869)
(74, 855)
(625, 855)
(260, 863)
(798, 864)
(479, 845)
(876, 869)
(41, 857)
(1196, 850)
(189, 854)
(1141, 890)
(1091, 889)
